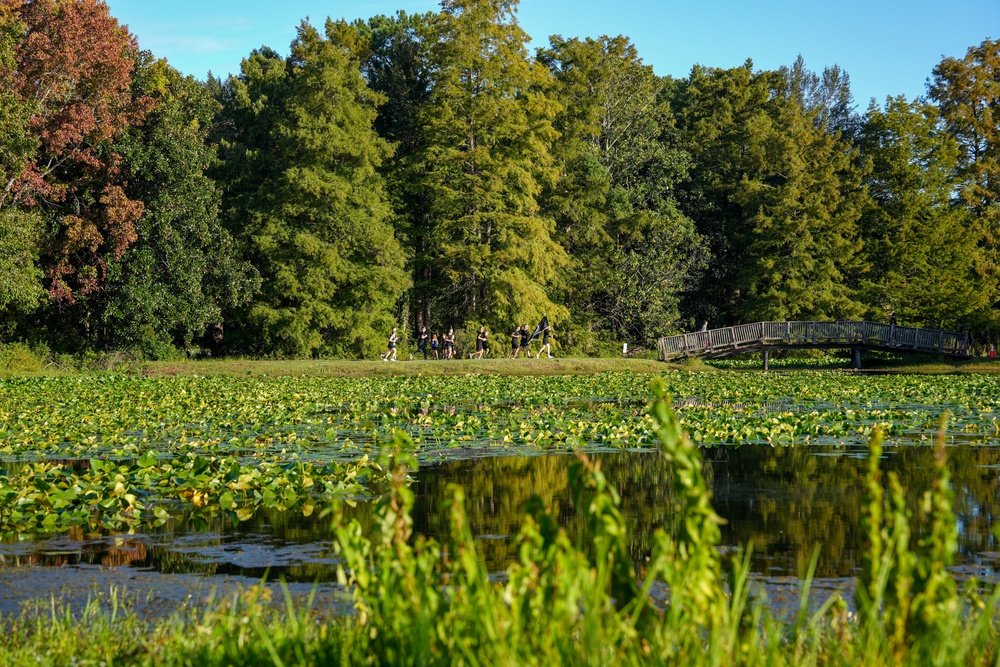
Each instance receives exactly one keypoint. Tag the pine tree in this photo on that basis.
(632, 252)
(922, 250)
(396, 63)
(967, 91)
(777, 197)
(488, 128)
(303, 195)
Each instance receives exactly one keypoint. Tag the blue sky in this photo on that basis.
(887, 46)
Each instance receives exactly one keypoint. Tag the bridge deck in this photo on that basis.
(856, 335)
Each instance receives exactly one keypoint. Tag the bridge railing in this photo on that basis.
(813, 334)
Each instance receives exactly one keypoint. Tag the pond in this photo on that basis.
(785, 501)
(233, 473)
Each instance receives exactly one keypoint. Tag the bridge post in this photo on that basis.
(856, 359)
(767, 358)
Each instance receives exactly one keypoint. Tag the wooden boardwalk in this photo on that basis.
(856, 336)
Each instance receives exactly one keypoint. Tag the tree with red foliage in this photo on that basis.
(72, 67)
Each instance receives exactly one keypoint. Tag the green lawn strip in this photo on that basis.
(408, 368)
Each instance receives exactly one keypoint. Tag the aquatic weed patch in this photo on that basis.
(110, 452)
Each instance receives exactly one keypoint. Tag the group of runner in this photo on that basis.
(444, 348)
(520, 340)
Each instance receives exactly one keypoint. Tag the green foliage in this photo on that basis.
(302, 194)
(632, 253)
(420, 601)
(20, 358)
(111, 495)
(966, 93)
(693, 566)
(183, 271)
(924, 256)
(488, 131)
(426, 170)
(21, 287)
(907, 600)
(777, 197)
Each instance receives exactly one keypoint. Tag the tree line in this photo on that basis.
(430, 170)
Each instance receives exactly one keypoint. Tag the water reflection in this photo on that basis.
(785, 501)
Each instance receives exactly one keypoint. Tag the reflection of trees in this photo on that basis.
(498, 489)
(785, 501)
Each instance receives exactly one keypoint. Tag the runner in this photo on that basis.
(482, 341)
(449, 344)
(422, 341)
(545, 343)
(391, 350)
(515, 342)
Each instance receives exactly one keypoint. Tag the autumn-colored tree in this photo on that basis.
(71, 69)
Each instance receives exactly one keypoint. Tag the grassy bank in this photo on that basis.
(354, 369)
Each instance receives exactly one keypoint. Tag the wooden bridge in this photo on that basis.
(855, 336)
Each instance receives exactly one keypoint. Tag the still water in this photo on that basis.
(785, 502)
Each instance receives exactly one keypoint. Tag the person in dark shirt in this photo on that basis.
(525, 340)
(482, 342)
(515, 342)
(545, 343)
(434, 346)
(422, 341)
(449, 344)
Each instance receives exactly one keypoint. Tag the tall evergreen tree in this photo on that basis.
(488, 129)
(632, 252)
(778, 198)
(967, 90)
(922, 250)
(395, 61)
(302, 194)
(827, 97)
